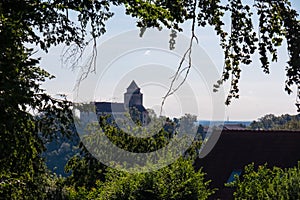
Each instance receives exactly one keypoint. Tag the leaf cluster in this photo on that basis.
(176, 181)
(266, 183)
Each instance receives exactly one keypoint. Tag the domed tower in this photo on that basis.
(133, 97)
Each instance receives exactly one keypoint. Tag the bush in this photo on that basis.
(266, 183)
(176, 181)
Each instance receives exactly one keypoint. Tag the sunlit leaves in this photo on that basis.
(176, 181)
(266, 183)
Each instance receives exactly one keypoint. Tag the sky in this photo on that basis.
(123, 56)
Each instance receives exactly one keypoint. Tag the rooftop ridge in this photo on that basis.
(224, 131)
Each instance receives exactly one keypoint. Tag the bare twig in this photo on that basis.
(179, 71)
(87, 68)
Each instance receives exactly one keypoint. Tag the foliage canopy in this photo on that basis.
(49, 23)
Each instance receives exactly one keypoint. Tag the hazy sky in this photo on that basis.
(152, 68)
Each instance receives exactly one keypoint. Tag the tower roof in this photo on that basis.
(133, 86)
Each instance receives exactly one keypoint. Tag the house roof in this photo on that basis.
(233, 127)
(237, 148)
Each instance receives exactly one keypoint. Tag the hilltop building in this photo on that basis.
(133, 103)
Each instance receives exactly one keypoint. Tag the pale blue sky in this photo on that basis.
(260, 94)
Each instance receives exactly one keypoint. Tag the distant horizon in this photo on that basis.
(207, 122)
(226, 120)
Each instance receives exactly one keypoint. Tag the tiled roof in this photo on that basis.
(237, 148)
(233, 127)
